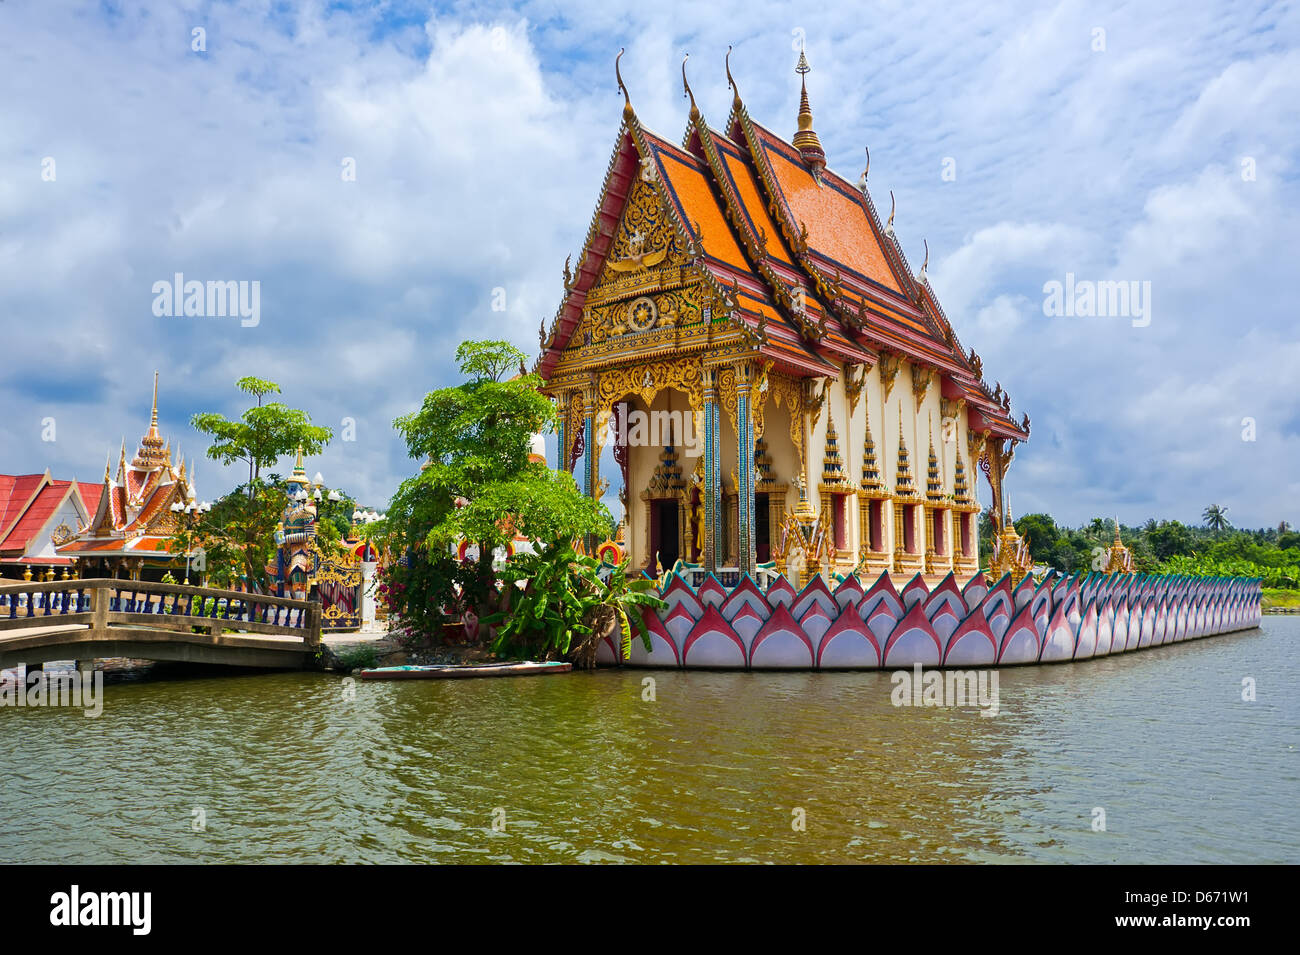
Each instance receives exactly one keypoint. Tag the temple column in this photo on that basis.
(591, 462)
(712, 473)
(562, 432)
(745, 469)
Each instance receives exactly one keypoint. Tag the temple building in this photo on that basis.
(38, 512)
(137, 512)
(779, 386)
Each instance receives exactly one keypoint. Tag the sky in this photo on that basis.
(1151, 143)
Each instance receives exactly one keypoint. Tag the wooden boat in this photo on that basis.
(442, 672)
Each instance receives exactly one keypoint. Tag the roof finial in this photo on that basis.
(731, 82)
(695, 111)
(862, 181)
(921, 276)
(628, 112)
(889, 226)
(805, 139)
(153, 419)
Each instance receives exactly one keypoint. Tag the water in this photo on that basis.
(581, 769)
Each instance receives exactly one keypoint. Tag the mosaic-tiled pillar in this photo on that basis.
(745, 468)
(591, 464)
(562, 432)
(712, 473)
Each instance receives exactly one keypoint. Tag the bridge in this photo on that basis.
(85, 620)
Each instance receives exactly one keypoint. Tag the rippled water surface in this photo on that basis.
(582, 769)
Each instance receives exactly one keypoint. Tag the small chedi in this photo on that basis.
(756, 309)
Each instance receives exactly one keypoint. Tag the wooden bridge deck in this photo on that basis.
(91, 619)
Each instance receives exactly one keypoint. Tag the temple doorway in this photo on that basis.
(762, 530)
(665, 532)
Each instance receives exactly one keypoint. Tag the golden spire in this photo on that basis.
(108, 456)
(731, 83)
(805, 139)
(153, 415)
(628, 112)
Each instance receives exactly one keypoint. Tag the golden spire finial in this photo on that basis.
(1117, 540)
(731, 82)
(628, 112)
(695, 110)
(108, 457)
(805, 139)
(153, 418)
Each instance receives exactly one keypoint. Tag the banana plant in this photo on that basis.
(556, 604)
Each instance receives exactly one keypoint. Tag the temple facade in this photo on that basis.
(781, 390)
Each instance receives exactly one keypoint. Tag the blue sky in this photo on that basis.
(1161, 149)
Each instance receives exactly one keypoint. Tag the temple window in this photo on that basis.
(909, 528)
(840, 520)
(939, 519)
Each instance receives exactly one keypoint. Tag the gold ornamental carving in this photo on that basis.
(648, 379)
(889, 366)
(853, 383)
(922, 376)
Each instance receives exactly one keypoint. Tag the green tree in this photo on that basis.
(477, 482)
(237, 536)
(1168, 538)
(1216, 518)
(263, 434)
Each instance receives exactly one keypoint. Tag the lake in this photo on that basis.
(718, 767)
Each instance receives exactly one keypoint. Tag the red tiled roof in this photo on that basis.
(47, 501)
(16, 492)
(89, 496)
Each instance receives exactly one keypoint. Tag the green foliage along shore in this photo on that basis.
(1165, 547)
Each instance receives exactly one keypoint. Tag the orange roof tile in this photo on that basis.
(837, 224)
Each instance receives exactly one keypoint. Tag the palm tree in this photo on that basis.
(1216, 518)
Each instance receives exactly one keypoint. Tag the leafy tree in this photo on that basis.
(477, 482)
(237, 535)
(1168, 538)
(263, 434)
(1042, 533)
(1216, 518)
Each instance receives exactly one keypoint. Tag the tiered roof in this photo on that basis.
(28, 504)
(133, 516)
(795, 254)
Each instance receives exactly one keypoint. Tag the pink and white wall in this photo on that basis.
(1059, 620)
